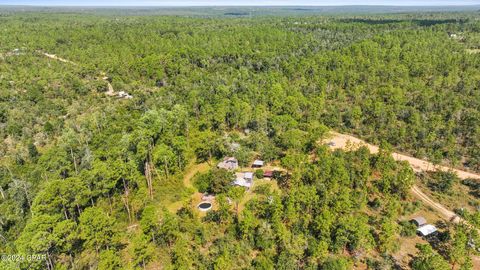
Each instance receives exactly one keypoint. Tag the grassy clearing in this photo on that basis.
(407, 249)
(250, 194)
(457, 197)
(192, 193)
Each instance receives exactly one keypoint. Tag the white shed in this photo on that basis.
(258, 163)
(426, 230)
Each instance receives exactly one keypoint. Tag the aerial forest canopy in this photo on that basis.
(103, 117)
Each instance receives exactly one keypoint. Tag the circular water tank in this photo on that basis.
(205, 206)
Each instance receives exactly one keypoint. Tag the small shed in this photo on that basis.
(123, 94)
(419, 221)
(257, 163)
(248, 176)
(426, 230)
(268, 174)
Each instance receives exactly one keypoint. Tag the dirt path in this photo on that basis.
(194, 169)
(444, 212)
(348, 142)
(53, 56)
(110, 90)
(187, 182)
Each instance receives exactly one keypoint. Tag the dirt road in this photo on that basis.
(348, 142)
(444, 212)
(53, 56)
(192, 170)
(110, 90)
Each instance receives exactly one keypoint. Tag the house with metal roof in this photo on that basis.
(228, 163)
(243, 179)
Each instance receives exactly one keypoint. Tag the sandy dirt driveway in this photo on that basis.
(348, 142)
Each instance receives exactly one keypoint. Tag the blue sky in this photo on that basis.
(236, 2)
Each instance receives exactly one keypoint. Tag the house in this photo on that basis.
(248, 176)
(243, 179)
(257, 163)
(268, 174)
(419, 221)
(426, 230)
(228, 163)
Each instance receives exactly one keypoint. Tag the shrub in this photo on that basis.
(259, 174)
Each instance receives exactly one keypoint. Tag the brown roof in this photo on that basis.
(268, 173)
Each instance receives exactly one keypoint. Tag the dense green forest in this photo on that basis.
(94, 181)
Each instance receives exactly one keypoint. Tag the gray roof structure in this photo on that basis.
(419, 221)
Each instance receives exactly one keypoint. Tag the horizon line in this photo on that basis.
(260, 5)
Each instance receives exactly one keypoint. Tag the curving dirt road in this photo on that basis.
(447, 214)
(348, 142)
(110, 91)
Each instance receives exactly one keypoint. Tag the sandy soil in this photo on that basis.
(472, 51)
(349, 142)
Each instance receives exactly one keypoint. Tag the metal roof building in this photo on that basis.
(419, 221)
(258, 163)
(426, 230)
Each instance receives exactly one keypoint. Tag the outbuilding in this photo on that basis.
(248, 176)
(268, 174)
(419, 221)
(426, 230)
(257, 163)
